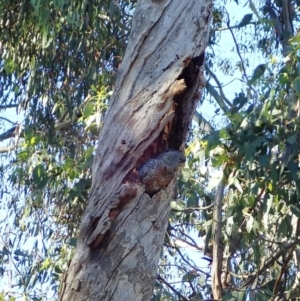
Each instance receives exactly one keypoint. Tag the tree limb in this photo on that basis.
(217, 97)
(238, 50)
(270, 262)
(7, 120)
(204, 126)
(162, 280)
(219, 86)
(217, 243)
(7, 149)
(9, 106)
(10, 133)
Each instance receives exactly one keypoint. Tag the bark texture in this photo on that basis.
(156, 93)
(217, 286)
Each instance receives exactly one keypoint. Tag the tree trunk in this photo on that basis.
(157, 89)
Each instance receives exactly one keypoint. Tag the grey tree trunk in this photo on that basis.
(158, 87)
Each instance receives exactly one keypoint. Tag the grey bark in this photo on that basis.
(156, 93)
(217, 287)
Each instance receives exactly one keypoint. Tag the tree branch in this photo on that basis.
(219, 86)
(238, 50)
(204, 126)
(10, 133)
(7, 120)
(217, 97)
(9, 106)
(7, 149)
(162, 280)
(270, 262)
(217, 242)
(233, 27)
(286, 262)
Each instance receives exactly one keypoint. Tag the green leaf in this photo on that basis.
(218, 160)
(262, 297)
(269, 285)
(264, 160)
(292, 139)
(296, 38)
(202, 280)
(224, 134)
(240, 295)
(188, 277)
(213, 141)
(89, 152)
(237, 184)
(5, 251)
(178, 205)
(37, 230)
(295, 210)
(257, 73)
(72, 242)
(88, 110)
(284, 78)
(39, 176)
(9, 66)
(256, 253)
(283, 229)
(293, 168)
(186, 174)
(267, 204)
(46, 38)
(58, 270)
(192, 200)
(229, 296)
(36, 4)
(18, 252)
(296, 84)
(249, 224)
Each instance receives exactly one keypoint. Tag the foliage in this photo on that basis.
(255, 150)
(58, 65)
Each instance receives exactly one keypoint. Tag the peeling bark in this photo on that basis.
(156, 93)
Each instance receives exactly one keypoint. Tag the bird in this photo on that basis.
(157, 173)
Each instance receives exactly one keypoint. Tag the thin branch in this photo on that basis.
(282, 271)
(162, 280)
(270, 262)
(64, 114)
(216, 96)
(193, 244)
(194, 267)
(187, 262)
(7, 149)
(204, 126)
(78, 81)
(219, 86)
(233, 27)
(287, 16)
(10, 133)
(9, 106)
(191, 209)
(286, 262)
(237, 49)
(7, 120)
(274, 18)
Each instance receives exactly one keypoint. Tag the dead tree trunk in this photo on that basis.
(157, 89)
